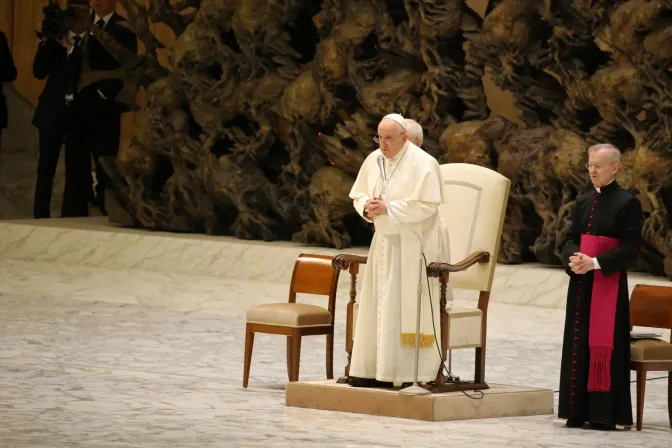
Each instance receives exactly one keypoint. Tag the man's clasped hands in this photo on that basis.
(375, 207)
(581, 263)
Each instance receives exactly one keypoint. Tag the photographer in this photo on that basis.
(59, 59)
(86, 120)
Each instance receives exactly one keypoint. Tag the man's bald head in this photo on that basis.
(414, 131)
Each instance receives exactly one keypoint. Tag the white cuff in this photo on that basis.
(597, 265)
(359, 206)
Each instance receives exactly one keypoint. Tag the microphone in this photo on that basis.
(381, 166)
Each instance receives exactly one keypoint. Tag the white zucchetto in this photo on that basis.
(398, 118)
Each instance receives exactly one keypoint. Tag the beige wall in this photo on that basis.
(7, 19)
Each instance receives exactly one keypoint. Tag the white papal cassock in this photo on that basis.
(384, 342)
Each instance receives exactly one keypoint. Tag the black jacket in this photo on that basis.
(7, 74)
(50, 63)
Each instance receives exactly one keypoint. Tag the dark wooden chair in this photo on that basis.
(475, 213)
(651, 306)
(313, 274)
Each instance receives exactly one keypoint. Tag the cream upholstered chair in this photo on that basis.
(474, 212)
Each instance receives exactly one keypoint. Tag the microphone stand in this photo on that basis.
(414, 389)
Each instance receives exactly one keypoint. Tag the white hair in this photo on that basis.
(613, 151)
(414, 129)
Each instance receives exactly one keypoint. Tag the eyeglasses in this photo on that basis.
(386, 140)
(590, 166)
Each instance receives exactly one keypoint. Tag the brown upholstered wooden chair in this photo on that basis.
(651, 306)
(313, 274)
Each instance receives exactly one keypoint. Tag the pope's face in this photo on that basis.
(601, 168)
(392, 137)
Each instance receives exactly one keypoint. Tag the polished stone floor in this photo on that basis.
(93, 357)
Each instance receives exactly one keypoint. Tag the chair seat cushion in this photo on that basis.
(289, 315)
(650, 350)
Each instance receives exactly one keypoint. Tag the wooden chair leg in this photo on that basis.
(641, 388)
(296, 355)
(440, 376)
(249, 343)
(289, 358)
(330, 356)
(669, 397)
(479, 368)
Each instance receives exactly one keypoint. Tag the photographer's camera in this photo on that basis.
(54, 25)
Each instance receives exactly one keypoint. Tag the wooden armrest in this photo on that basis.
(344, 261)
(437, 269)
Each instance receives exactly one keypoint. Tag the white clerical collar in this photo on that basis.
(105, 19)
(598, 188)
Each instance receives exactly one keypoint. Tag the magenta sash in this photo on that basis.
(602, 314)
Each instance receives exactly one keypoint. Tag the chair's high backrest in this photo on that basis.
(651, 306)
(314, 274)
(475, 206)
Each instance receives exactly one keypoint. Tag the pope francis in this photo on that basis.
(385, 333)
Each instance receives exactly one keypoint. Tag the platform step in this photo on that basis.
(497, 401)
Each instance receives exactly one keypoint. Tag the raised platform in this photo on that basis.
(93, 242)
(497, 401)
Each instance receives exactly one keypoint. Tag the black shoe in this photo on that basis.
(571, 423)
(601, 426)
(368, 382)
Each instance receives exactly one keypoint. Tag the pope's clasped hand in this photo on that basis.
(375, 207)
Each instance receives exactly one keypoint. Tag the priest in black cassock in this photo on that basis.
(602, 241)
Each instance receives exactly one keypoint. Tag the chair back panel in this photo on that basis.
(651, 306)
(314, 274)
(474, 211)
